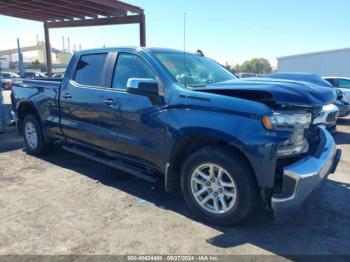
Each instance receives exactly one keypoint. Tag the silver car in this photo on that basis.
(342, 86)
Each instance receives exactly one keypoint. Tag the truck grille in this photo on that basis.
(332, 116)
(313, 138)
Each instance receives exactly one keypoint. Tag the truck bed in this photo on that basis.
(43, 95)
(50, 82)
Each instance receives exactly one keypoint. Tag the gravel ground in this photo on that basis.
(64, 204)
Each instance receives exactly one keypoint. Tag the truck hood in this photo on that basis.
(274, 91)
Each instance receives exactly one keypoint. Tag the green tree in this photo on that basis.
(229, 67)
(35, 64)
(233, 69)
(237, 68)
(256, 66)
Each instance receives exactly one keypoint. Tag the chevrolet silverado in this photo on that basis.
(181, 118)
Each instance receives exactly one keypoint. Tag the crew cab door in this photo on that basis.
(131, 123)
(80, 99)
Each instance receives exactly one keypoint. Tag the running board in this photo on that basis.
(117, 164)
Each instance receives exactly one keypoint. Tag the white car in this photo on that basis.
(5, 84)
(328, 117)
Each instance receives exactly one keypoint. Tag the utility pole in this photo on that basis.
(68, 45)
(64, 45)
(48, 49)
(20, 59)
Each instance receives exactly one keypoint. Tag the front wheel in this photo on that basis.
(33, 135)
(218, 186)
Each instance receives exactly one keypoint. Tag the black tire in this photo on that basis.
(41, 146)
(236, 166)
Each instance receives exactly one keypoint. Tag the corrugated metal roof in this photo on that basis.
(315, 53)
(66, 10)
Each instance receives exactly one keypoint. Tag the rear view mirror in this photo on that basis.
(142, 86)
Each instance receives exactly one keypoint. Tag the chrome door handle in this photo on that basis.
(109, 102)
(67, 96)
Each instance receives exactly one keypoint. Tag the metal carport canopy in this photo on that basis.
(69, 13)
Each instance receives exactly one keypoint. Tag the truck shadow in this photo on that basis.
(10, 141)
(342, 138)
(343, 121)
(323, 227)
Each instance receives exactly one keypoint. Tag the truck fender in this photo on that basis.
(190, 140)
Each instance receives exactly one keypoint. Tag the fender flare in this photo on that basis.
(182, 139)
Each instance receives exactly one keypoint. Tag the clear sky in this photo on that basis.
(226, 30)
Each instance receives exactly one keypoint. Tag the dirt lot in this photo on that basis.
(63, 204)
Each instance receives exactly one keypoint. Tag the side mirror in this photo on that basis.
(142, 86)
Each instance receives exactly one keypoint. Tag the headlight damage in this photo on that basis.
(296, 123)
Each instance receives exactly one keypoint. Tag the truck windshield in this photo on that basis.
(192, 70)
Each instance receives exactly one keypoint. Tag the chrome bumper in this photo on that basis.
(304, 177)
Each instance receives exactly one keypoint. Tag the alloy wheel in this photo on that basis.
(213, 188)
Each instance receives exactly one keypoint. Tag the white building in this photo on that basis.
(36, 53)
(4, 64)
(326, 63)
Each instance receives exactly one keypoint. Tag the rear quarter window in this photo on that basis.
(89, 69)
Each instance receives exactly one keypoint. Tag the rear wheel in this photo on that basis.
(218, 186)
(33, 135)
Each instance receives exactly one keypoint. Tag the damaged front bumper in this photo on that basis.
(304, 177)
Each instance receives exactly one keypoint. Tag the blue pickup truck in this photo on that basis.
(181, 118)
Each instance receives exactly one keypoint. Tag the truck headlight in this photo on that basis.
(295, 123)
(283, 120)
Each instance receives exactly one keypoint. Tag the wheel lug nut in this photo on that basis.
(212, 180)
(220, 190)
(209, 190)
(208, 184)
(216, 194)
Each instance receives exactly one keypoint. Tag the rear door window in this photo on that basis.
(89, 69)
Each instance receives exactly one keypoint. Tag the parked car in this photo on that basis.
(9, 75)
(342, 86)
(5, 83)
(328, 117)
(33, 75)
(329, 114)
(246, 75)
(221, 140)
(6, 79)
(58, 76)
